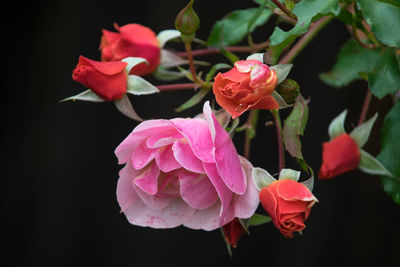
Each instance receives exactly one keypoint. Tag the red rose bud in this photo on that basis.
(233, 231)
(288, 203)
(187, 22)
(248, 85)
(107, 79)
(131, 40)
(339, 156)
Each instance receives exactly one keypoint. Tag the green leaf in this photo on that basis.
(371, 165)
(385, 78)
(384, 19)
(229, 55)
(392, 2)
(294, 126)
(360, 134)
(234, 27)
(139, 86)
(125, 107)
(352, 60)
(87, 95)
(282, 71)
(305, 11)
(261, 178)
(214, 69)
(310, 181)
(336, 127)
(195, 99)
(258, 219)
(390, 151)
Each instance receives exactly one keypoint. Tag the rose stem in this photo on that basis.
(289, 57)
(191, 63)
(247, 139)
(177, 86)
(299, 46)
(207, 51)
(284, 9)
(281, 149)
(365, 107)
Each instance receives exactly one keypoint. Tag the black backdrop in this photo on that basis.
(59, 177)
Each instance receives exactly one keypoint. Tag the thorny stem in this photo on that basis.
(191, 62)
(208, 51)
(365, 107)
(299, 46)
(284, 9)
(281, 149)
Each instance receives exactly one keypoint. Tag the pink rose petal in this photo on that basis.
(185, 157)
(196, 190)
(147, 180)
(226, 156)
(166, 161)
(142, 156)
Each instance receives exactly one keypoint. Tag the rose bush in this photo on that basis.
(107, 79)
(131, 40)
(288, 203)
(248, 85)
(339, 156)
(184, 172)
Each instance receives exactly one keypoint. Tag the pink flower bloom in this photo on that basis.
(184, 172)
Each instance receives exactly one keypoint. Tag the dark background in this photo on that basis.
(59, 176)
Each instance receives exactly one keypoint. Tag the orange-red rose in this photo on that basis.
(248, 85)
(131, 40)
(289, 205)
(339, 156)
(107, 79)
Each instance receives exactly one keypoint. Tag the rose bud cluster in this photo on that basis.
(107, 79)
(248, 85)
(184, 172)
(132, 40)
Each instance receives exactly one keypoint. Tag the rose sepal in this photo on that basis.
(369, 164)
(87, 95)
(361, 133)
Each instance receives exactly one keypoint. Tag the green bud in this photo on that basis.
(288, 89)
(187, 22)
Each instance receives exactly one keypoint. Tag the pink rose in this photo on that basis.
(184, 172)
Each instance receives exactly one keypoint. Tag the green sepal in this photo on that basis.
(167, 35)
(87, 95)
(371, 165)
(139, 86)
(132, 62)
(336, 127)
(261, 178)
(289, 174)
(214, 69)
(164, 74)
(125, 107)
(258, 219)
(282, 71)
(361, 133)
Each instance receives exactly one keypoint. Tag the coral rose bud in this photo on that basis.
(107, 79)
(131, 40)
(289, 205)
(184, 172)
(233, 231)
(248, 85)
(339, 156)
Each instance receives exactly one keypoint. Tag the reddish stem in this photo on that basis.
(365, 107)
(281, 149)
(177, 86)
(247, 139)
(191, 62)
(208, 51)
(284, 9)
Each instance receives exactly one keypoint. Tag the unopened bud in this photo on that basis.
(288, 89)
(187, 22)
